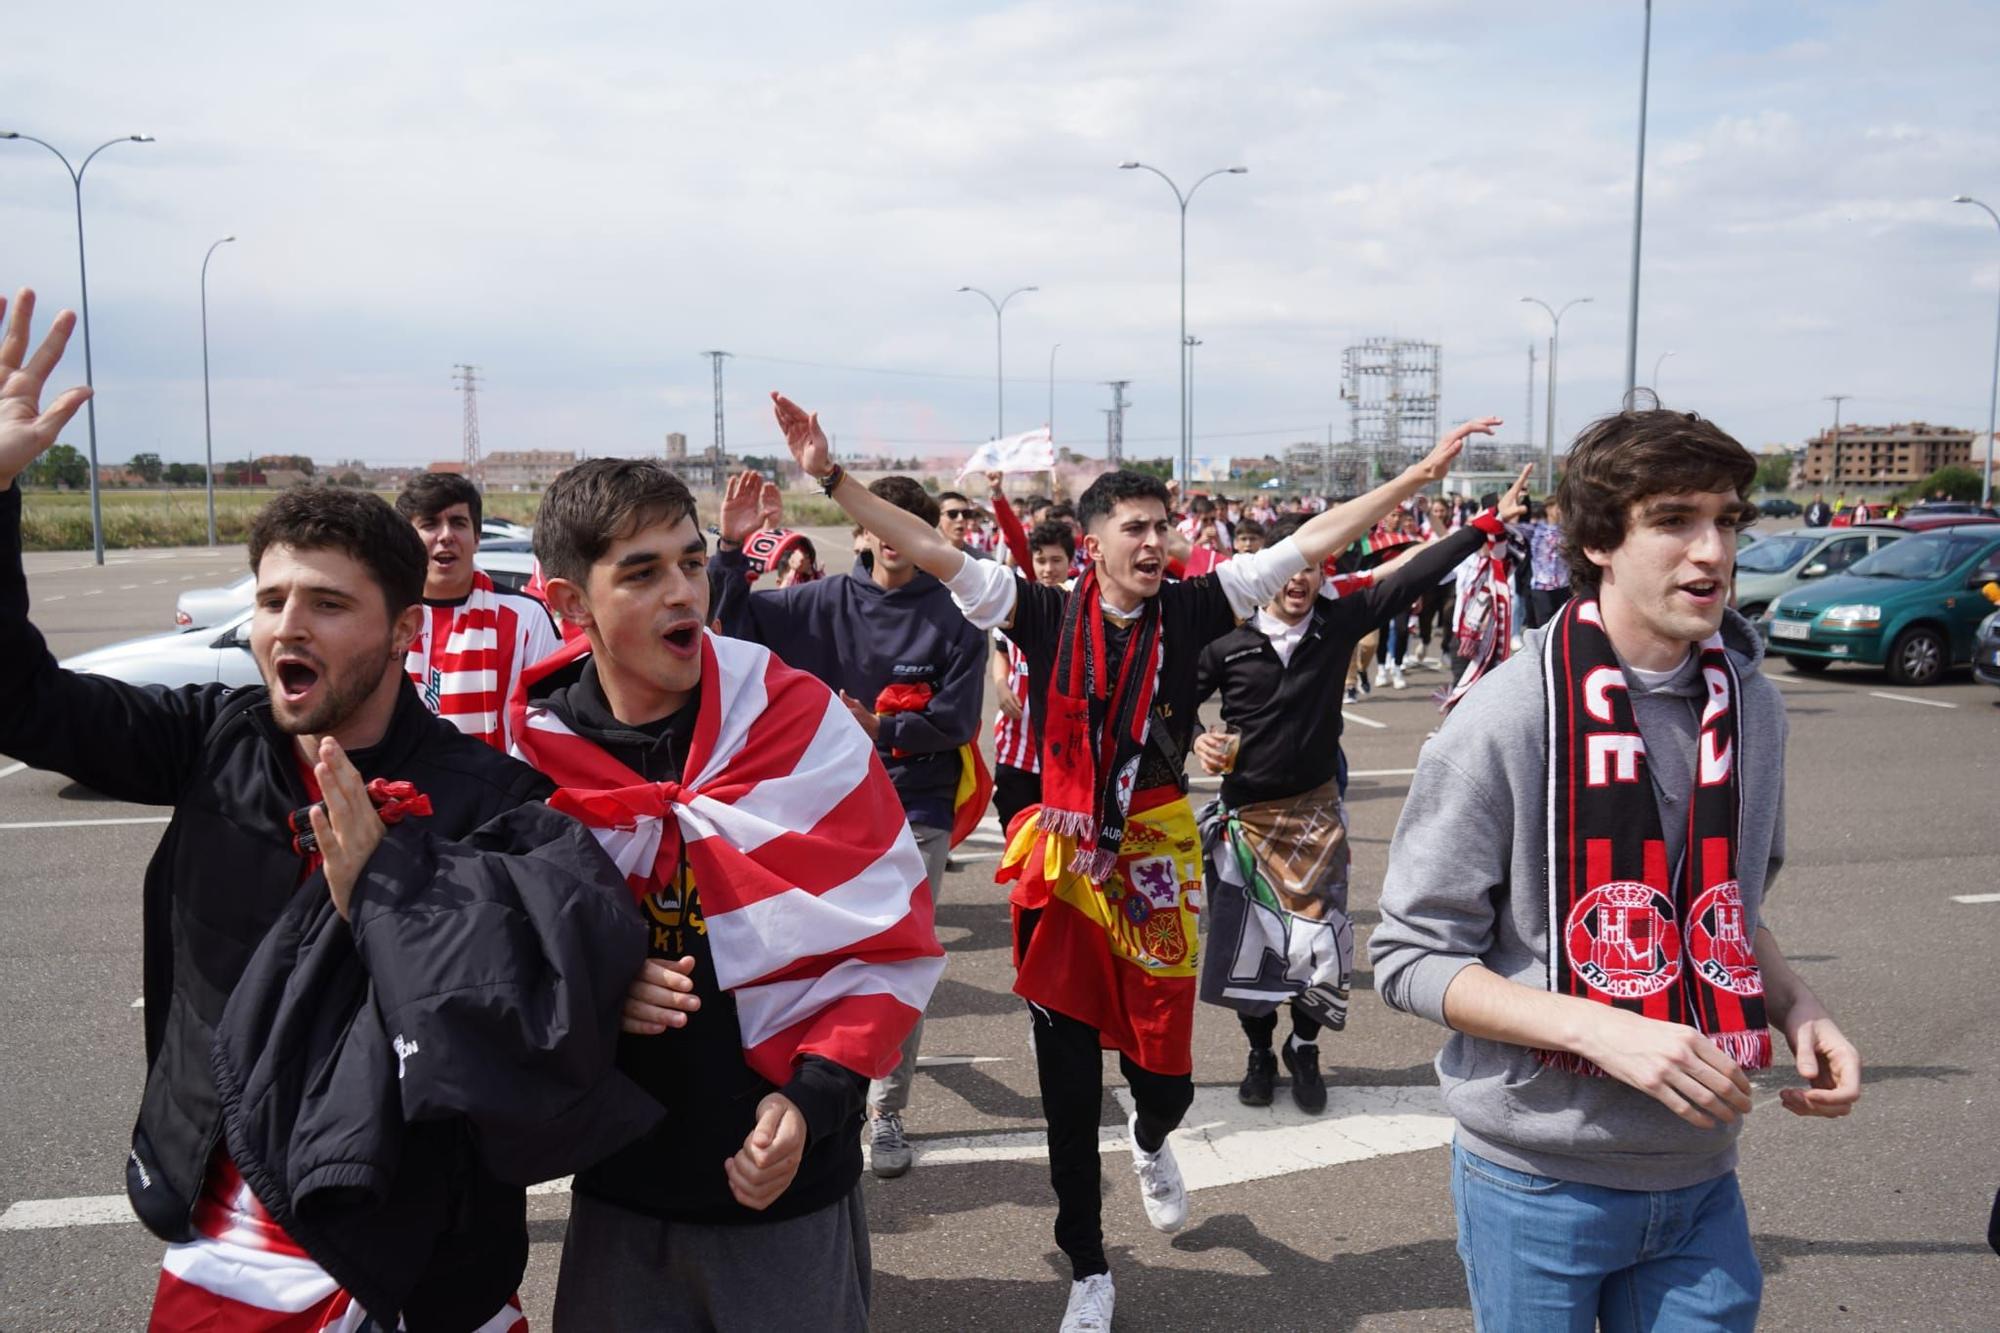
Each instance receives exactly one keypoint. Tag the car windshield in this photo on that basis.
(1917, 558)
(1774, 553)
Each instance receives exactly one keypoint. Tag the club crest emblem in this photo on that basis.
(1718, 941)
(1622, 941)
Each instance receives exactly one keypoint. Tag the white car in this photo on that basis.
(509, 561)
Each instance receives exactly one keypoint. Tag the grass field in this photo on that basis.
(60, 520)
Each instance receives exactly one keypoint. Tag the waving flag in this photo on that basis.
(1031, 451)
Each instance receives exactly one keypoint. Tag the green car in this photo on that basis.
(1912, 608)
(1785, 560)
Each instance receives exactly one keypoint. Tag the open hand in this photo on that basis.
(771, 506)
(662, 997)
(345, 822)
(740, 499)
(803, 436)
(26, 428)
(1672, 1063)
(764, 1166)
(1514, 500)
(1828, 1061)
(1437, 463)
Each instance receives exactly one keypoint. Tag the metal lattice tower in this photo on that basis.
(468, 385)
(1114, 424)
(715, 449)
(1391, 386)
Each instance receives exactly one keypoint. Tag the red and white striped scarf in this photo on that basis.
(1014, 739)
(458, 663)
(818, 912)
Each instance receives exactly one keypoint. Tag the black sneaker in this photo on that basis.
(1258, 1079)
(1308, 1088)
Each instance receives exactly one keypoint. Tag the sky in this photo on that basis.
(580, 199)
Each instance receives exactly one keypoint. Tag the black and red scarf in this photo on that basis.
(1625, 929)
(1094, 728)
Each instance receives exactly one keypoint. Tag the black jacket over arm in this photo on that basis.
(509, 969)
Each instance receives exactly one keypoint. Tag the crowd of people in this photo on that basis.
(458, 901)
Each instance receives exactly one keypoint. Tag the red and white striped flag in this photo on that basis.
(818, 911)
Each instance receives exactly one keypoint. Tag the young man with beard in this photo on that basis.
(474, 640)
(888, 640)
(1107, 873)
(766, 843)
(352, 1064)
(1275, 843)
(1576, 888)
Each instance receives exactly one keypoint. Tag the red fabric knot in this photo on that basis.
(394, 800)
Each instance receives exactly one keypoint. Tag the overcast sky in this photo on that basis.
(581, 198)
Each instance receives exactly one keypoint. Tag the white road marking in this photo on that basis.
(86, 823)
(1381, 772)
(158, 582)
(11, 770)
(187, 578)
(139, 1003)
(938, 1061)
(1907, 699)
(95, 592)
(57, 598)
(1976, 897)
(127, 587)
(1364, 721)
(48, 1214)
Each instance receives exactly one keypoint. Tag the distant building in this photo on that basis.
(524, 469)
(677, 446)
(1895, 455)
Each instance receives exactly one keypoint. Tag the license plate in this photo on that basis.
(1791, 629)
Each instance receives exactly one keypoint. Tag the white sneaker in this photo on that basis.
(1381, 673)
(1090, 1301)
(1161, 1188)
(1396, 677)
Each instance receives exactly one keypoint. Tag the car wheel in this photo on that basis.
(1754, 611)
(1807, 666)
(1918, 657)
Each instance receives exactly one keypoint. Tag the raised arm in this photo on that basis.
(1331, 532)
(920, 541)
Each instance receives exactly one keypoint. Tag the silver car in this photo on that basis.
(508, 561)
(1782, 561)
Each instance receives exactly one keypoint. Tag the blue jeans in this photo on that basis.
(1551, 1254)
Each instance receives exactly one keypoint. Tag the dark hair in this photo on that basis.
(1201, 504)
(1062, 510)
(1114, 488)
(1249, 527)
(359, 524)
(429, 494)
(1627, 457)
(1283, 528)
(907, 495)
(601, 501)
(1054, 532)
(952, 495)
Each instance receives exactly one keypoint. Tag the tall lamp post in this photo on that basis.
(999, 354)
(1555, 331)
(83, 285)
(1992, 394)
(1052, 395)
(207, 422)
(1188, 344)
(1638, 210)
(1658, 361)
(1180, 348)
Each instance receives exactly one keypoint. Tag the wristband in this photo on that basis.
(1489, 523)
(831, 481)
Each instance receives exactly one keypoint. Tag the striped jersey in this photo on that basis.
(466, 658)
(1014, 742)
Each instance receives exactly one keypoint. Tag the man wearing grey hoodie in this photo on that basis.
(1599, 1084)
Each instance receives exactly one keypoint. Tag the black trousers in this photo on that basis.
(1070, 1064)
(1433, 607)
(1260, 1028)
(1543, 603)
(1014, 790)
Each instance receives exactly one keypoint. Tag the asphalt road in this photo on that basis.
(1876, 1222)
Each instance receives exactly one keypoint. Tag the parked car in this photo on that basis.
(1961, 508)
(198, 608)
(1925, 520)
(1986, 643)
(1779, 506)
(181, 657)
(1784, 560)
(1912, 608)
(508, 561)
(504, 529)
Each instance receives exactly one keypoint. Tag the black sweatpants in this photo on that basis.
(1260, 1028)
(1070, 1064)
(1014, 790)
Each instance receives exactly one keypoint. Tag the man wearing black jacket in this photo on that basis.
(884, 638)
(328, 1119)
(1275, 844)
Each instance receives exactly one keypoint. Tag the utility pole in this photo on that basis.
(1837, 399)
(715, 447)
(1114, 425)
(468, 385)
(1528, 435)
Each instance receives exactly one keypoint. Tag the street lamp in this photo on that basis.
(1555, 330)
(1992, 394)
(1638, 212)
(207, 425)
(1188, 344)
(1659, 361)
(83, 284)
(1181, 347)
(999, 355)
(1052, 395)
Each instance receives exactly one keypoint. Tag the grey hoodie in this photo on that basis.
(1467, 883)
